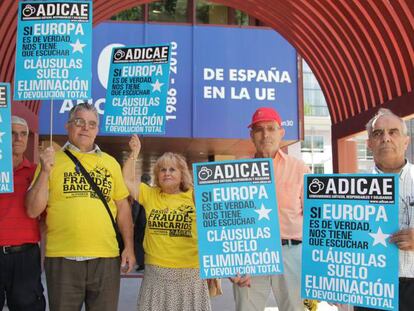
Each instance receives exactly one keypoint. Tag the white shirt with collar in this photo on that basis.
(406, 214)
(70, 146)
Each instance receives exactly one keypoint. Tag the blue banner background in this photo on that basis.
(193, 50)
(266, 55)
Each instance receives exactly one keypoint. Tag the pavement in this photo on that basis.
(130, 286)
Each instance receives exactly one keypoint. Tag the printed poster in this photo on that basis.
(347, 257)
(53, 50)
(189, 113)
(6, 158)
(237, 218)
(137, 90)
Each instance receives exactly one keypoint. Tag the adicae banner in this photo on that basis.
(53, 50)
(216, 73)
(347, 257)
(137, 90)
(6, 158)
(237, 218)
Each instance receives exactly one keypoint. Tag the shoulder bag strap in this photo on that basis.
(93, 186)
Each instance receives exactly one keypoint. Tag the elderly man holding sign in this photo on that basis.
(388, 141)
(20, 267)
(82, 191)
(251, 293)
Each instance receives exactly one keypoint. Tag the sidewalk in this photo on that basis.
(130, 287)
(225, 302)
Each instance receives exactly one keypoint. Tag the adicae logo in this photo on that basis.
(119, 54)
(204, 173)
(316, 186)
(28, 10)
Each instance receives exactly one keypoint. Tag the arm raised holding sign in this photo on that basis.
(170, 243)
(128, 171)
(38, 195)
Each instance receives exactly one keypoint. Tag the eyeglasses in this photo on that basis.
(408, 207)
(79, 122)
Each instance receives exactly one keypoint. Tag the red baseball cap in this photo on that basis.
(266, 114)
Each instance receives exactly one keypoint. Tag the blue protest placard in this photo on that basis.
(137, 90)
(6, 158)
(53, 50)
(237, 218)
(346, 256)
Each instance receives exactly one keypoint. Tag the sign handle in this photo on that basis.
(51, 122)
(135, 173)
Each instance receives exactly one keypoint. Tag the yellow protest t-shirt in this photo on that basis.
(170, 235)
(77, 222)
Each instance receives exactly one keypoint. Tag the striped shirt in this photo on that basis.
(406, 213)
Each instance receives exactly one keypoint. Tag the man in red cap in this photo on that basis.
(251, 293)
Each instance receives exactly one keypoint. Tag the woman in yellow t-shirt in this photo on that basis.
(171, 278)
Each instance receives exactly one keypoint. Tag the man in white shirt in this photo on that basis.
(388, 141)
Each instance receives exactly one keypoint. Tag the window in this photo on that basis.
(174, 11)
(178, 11)
(312, 144)
(315, 104)
(241, 18)
(362, 150)
(314, 100)
(211, 13)
(318, 169)
(410, 149)
(133, 14)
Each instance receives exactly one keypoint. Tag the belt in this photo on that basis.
(16, 248)
(291, 242)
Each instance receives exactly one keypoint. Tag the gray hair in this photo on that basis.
(381, 113)
(83, 106)
(21, 121)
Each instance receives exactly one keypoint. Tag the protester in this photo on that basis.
(171, 278)
(388, 141)
(20, 267)
(82, 257)
(252, 292)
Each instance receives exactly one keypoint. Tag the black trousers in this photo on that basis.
(140, 223)
(405, 299)
(20, 281)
